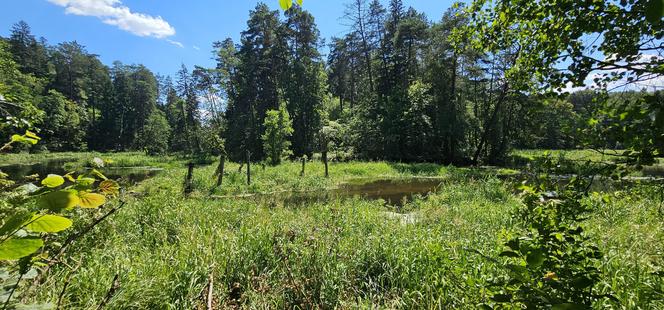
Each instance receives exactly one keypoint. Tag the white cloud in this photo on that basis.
(196, 48)
(176, 43)
(112, 12)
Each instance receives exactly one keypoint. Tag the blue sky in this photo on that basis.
(162, 34)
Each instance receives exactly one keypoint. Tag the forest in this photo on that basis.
(508, 155)
(396, 88)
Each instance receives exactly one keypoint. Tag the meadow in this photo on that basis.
(162, 250)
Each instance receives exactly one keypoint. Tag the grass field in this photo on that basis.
(342, 253)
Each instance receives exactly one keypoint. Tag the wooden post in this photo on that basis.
(302, 172)
(220, 169)
(188, 187)
(248, 168)
(327, 174)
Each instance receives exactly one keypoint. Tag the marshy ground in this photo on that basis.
(263, 248)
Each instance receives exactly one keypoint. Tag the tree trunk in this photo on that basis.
(453, 132)
(492, 120)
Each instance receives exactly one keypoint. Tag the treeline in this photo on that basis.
(396, 87)
(77, 103)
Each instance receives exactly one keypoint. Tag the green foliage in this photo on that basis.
(632, 121)
(551, 262)
(17, 248)
(54, 198)
(18, 94)
(62, 127)
(53, 180)
(29, 213)
(329, 252)
(153, 137)
(550, 123)
(419, 126)
(48, 223)
(278, 129)
(287, 4)
(553, 34)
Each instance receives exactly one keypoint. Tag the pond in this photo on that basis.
(395, 192)
(124, 175)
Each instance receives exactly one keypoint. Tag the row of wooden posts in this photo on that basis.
(188, 184)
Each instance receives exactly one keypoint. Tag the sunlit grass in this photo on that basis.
(339, 253)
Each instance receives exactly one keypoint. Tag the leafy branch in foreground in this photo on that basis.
(287, 4)
(30, 213)
(551, 263)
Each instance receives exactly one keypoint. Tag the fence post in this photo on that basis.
(302, 172)
(248, 168)
(220, 169)
(327, 174)
(188, 186)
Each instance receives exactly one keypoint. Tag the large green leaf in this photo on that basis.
(15, 222)
(49, 223)
(59, 200)
(90, 200)
(17, 248)
(32, 135)
(85, 181)
(53, 180)
(285, 4)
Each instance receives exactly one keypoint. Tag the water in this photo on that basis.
(18, 172)
(395, 192)
(124, 175)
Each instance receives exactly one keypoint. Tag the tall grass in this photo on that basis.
(348, 253)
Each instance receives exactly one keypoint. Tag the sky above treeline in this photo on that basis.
(163, 34)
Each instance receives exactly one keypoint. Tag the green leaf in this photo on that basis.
(582, 282)
(49, 223)
(15, 222)
(654, 11)
(90, 200)
(32, 135)
(509, 254)
(58, 200)
(98, 174)
(535, 258)
(18, 138)
(299, 2)
(285, 4)
(17, 248)
(53, 180)
(85, 181)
